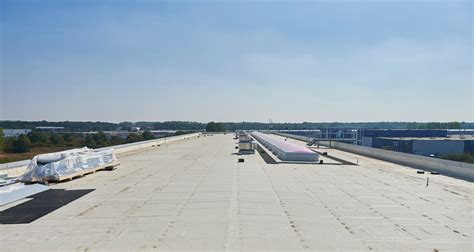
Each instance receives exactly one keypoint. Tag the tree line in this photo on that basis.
(69, 126)
(215, 127)
(232, 126)
(25, 142)
(439, 125)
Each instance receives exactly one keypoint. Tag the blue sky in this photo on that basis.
(237, 60)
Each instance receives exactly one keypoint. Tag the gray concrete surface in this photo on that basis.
(194, 195)
(18, 168)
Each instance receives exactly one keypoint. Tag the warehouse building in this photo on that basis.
(15, 132)
(369, 135)
(434, 146)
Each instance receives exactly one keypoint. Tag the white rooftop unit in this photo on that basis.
(285, 150)
(246, 143)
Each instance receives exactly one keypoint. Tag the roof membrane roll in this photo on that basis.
(285, 150)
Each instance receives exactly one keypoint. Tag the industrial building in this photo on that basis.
(413, 141)
(369, 135)
(352, 136)
(15, 132)
(365, 137)
(420, 142)
(52, 129)
(193, 194)
(434, 146)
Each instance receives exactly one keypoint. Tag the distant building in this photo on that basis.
(120, 133)
(52, 129)
(461, 132)
(15, 132)
(369, 135)
(342, 135)
(434, 146)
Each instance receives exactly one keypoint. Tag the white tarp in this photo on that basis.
(67, 164)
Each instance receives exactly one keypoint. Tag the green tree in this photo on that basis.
(215, 127)
(211, 127)
(100, 139)
(70, 139)
(56, 140)
(180, 132)
(126, 125)
(89, 141)
(147, 135)
(39, 138)
(22, 144)
(220, 127)
(1, 139)
(455, 125)
(132, 137)
(8, 144)
(116, 140)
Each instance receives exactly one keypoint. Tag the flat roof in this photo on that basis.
(194, 195)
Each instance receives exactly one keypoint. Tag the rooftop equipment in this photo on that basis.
(64, 165)
(285, 150)
(246, 143)
(244, 137)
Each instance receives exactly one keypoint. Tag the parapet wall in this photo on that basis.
(446, 167)
(18, 168)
